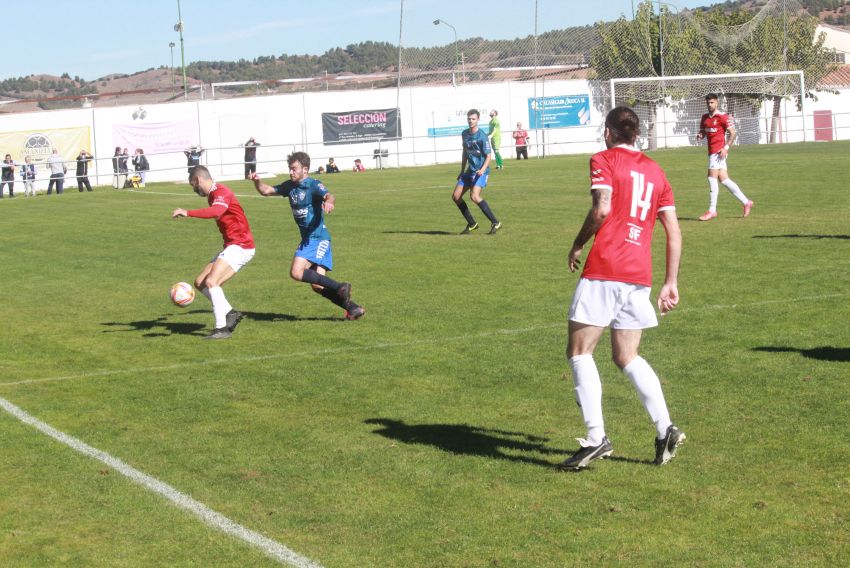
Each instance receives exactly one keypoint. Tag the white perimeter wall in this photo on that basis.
(285, 123)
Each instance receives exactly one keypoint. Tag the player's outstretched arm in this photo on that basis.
(179, 213)
(668, 298)
(262, 188)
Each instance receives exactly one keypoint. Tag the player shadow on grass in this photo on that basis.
(161, 323)
(790, 236)
(463, 439)
(824, 353)
(273, 317)
(438, 233)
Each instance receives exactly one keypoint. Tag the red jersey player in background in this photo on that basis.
(238, 247)
(714, 125)
(629, 192)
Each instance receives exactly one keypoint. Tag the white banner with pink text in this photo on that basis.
(156, 137)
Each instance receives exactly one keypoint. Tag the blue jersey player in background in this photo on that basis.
(474, 170)
(310, 200)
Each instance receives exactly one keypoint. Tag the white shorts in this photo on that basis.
(605, 303)
(235, 256)
(715, 162)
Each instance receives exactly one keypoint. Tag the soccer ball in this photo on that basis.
(182, 294)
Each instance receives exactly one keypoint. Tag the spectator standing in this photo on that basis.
(193, 156)
(28, 177)
(123, 167)
(119, 178)
(141, 164)
(331, 168)
(521, 141)
(83, 160)
(8, 175)
(250, 157)
(57, 173)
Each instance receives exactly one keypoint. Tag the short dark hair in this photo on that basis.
(623, 124)
(473, 111)
(302, 158)
(711, 97)
(200, 172)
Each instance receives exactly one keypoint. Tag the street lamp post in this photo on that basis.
(171, 44)
(437, 22)
(178, 27)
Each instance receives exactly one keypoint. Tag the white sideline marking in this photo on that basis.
(390, 345)
(270, 548)
(448, 187)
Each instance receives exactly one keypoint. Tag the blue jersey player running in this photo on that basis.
(310, 200)
(474, 170)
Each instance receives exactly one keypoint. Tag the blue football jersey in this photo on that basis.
(305, 199)
(477, 148)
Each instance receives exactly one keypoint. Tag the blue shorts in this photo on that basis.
(316, 251)
(469, 179)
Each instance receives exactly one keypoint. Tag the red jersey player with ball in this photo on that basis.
(714, 125)
(238, 247)
(629, 192)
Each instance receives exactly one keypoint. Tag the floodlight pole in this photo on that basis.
(437, 22)
(171, 44)
(178, 27)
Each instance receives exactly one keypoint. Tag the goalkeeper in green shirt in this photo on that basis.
(496, 137)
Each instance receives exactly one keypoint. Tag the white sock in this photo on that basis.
(220, 306)
(713, 190)
(735, 190)
(649, 390)
(589, 396)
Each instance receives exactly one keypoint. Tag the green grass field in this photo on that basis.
(424, 435)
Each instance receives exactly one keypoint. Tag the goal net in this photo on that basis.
(766, 107)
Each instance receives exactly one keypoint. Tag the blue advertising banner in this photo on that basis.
(454, 130)
(558, 112)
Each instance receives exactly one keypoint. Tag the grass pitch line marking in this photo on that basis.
(329, 351)
(386, 345)
(270, 548)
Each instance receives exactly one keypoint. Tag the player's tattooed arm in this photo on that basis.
(595, 217)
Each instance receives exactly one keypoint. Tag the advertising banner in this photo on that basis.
(452, 121)
(155, 137)
(559, 112)
(39, 145)
(360, 126)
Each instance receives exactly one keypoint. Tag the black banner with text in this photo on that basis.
(360, 126)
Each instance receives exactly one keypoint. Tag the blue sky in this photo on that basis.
(93, 38)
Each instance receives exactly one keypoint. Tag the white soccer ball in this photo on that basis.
(182, 294)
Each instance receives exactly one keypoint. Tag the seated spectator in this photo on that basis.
(321, 170)
(358, 166)
(331, 168)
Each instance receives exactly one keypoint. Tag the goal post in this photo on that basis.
(767, 107)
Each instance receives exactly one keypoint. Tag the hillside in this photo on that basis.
(363, 59)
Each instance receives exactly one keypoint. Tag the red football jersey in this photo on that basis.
(714, 129)
(229, 215)
(622, 248)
